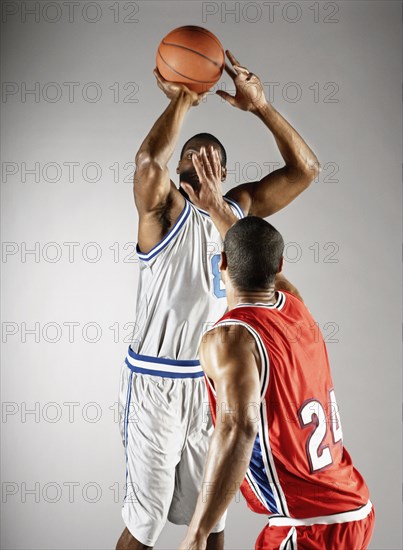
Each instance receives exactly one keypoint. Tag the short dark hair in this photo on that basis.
(208, 137)
(254, 249)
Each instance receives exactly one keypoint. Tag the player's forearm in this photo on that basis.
(226, 466)
(293, 149)
(160, 142)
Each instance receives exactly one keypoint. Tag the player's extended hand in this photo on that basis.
(249, 94)
(208, 168)
(173, 89)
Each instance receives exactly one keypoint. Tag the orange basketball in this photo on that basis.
(193, 56)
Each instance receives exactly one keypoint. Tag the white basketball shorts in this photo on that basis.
(166, 425)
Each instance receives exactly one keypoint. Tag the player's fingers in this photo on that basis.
(215, 162)
(219, 167)
(160, 81)
(232, 58)
(237, 67)
(198, 165)
(206, 161)
(241, 70)
(229, 70)
(158, 75)
(160, 86)
(212, 159)
(229, 98)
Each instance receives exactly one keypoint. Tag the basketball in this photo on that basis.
(192, 56)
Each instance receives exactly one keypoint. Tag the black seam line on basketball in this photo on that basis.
(193, 51)
(194, 28)
(184, 76)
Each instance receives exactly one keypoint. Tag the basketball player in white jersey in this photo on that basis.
(163, 402)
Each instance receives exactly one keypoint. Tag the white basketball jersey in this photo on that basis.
(180, 293)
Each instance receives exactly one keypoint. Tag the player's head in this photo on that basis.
(253, 254)
(185, 168)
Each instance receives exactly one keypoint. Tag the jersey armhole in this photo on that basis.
(172, 233)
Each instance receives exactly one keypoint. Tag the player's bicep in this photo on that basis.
(276, 190)
(272, 193)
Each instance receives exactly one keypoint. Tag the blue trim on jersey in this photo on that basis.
(162, 360)
(236, 206)
(163, 373)
(260, 477)
(168, 237)
(202, 211)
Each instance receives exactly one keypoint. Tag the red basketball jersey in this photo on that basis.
(299, 467)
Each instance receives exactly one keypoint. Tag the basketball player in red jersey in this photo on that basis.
(277, 429)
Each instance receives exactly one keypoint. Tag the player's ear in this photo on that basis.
(280, 267)
(223, 173)
(177, 168)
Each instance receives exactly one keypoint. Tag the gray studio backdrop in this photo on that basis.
(78, 96)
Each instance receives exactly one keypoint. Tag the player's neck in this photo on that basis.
(267, 296)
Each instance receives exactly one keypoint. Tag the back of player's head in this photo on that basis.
(205, 136)
(254, 249)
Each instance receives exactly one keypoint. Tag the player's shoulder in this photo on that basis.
(218, 334)
(228, 336)
(226, 349)
(224, 329)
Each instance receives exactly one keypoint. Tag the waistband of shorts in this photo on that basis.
(160, 366)
(343, 517)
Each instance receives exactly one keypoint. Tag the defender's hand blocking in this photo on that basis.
(173, 89)
(208, 168)
(249, 94)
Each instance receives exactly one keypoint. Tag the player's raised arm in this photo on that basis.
(280, 187)
(230, 359)
(158, 201)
